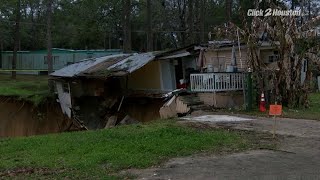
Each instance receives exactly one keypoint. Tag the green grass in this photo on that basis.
(25, 87)
(313, 112)
(103, 153)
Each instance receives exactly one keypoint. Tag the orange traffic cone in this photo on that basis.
(262, 106)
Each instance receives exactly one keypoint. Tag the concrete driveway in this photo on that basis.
(298, 155)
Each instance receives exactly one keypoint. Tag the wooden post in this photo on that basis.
(275, 110)
(274, 127)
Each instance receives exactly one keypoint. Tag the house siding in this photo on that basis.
(146, 78)
(223, 99)
(35, 60)
(224, 56)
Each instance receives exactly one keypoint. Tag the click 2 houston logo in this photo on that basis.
(273, 12)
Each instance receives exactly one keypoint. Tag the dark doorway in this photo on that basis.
(178, 70)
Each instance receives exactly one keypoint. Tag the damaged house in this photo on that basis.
(103, 91)
(94, 90)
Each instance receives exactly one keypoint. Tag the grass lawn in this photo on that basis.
(25, 87)
(103, 153)
(313, 112)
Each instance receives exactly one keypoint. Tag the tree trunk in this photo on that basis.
(190, 21)
(49, 43)
(309, 9)
(302, 10)
(1, 49)
(149, 27)
(16, 40)
(196, 19)
(228, 10)
(33, 29)
(202, 20)
(182, 17)
(49, 38)
(109, 40)
(126, 25)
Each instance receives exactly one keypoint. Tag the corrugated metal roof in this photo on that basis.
(56, 50)
(131, 63)
(102, 68)
(114, 65)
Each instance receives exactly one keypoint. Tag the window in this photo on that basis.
(55, 59)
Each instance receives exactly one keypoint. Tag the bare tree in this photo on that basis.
(16, 40)
(294, 46)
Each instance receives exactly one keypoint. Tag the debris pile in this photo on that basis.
(98, 113)
(113, 121)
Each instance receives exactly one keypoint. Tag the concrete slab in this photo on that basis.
(216, 118)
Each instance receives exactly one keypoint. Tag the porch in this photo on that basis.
(216, 82)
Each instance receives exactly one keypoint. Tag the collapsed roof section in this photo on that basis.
(117, 65)
(114, 65)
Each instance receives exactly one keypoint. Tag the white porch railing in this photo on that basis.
(215, 82)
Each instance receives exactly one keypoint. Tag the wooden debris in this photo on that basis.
(128, 120)
(111, 122)
(110, 102)
(181, 107)
(120, 103)
(168, 110)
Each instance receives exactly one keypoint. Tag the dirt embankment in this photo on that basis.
(21, 118)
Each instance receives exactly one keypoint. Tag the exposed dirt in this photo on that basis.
(143, 110)
(20, 118)
(296, 156)
(27, 171)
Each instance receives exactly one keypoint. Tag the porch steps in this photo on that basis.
(193, 101)
(202, 107)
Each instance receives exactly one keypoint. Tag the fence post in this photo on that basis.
(249, 91)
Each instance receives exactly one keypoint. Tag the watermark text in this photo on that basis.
(273, 12)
